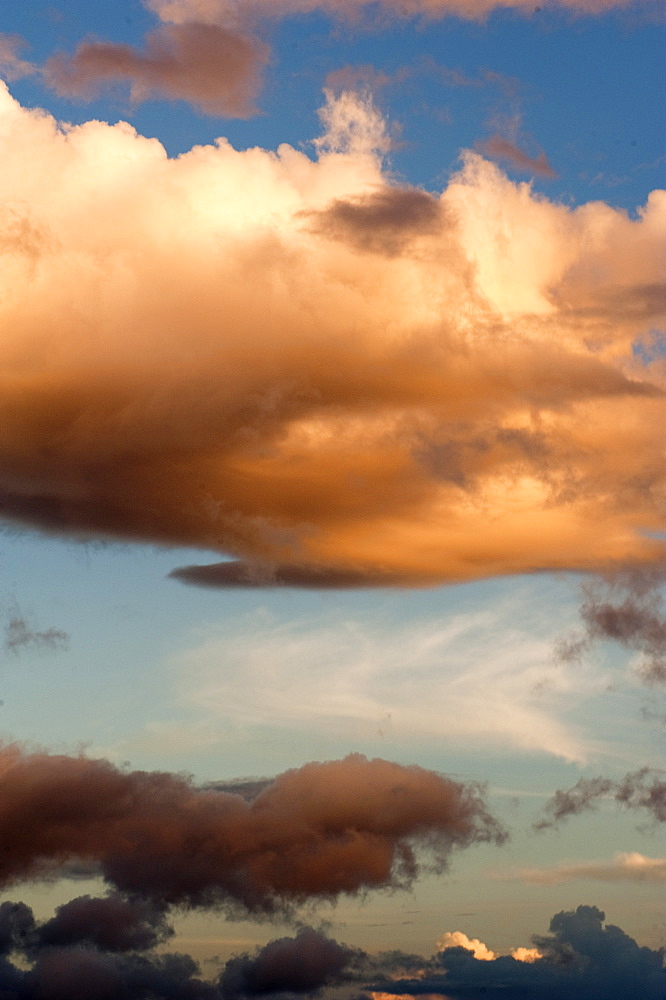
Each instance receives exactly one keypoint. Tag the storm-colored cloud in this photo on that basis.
(313, 833)
(302, 964)
(637, 790)
(228, 351)
(581, 959)
(627, 608)
(216, 70)
(110, 923)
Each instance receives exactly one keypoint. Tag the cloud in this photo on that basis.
(579, 958)
(12, 67)
(624, 867)
(627, 607)
(303, 964)
(110, 923)
(326, 829)
(499, 148)
(216, 70)
(213, 11)
(20, 635)
(227, 351)
(637, 790)
(489, 681)
(456, 939)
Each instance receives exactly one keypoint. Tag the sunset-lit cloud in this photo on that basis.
(223, 10)
(225, 350)
(216, 70)
(502, 149)
(624, 867)
(318, 832)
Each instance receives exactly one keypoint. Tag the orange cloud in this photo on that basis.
(296, 363)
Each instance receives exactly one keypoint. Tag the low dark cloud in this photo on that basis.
(581, 959)
(112, 923)
(641, 789)
(317, 832)
(216, 70)
(301, 965)
(625, 608)
(238, 573)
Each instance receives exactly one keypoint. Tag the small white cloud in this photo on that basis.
(456, 939)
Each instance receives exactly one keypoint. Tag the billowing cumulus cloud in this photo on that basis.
(216, 70)
(580, 958)
(303, 964)
(294, 362)
(317, 832)
(637, 790)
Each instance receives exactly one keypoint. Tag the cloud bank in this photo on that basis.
(297, 363)
(326, 829)
(580, 958)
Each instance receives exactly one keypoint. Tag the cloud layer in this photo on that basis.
(581, 959)
(317, 832)
(298, 363)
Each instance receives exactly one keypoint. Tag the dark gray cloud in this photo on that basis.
(382, 222)
(641, 789)
(303, 964)
(238, 573)
(21, 635)
(626, 608)
(581, 960)
(112, 923)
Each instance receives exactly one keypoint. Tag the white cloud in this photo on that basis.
(473, 677)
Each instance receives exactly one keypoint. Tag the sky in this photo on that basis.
(332, 623)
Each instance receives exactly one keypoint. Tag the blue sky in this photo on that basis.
(424, 351)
